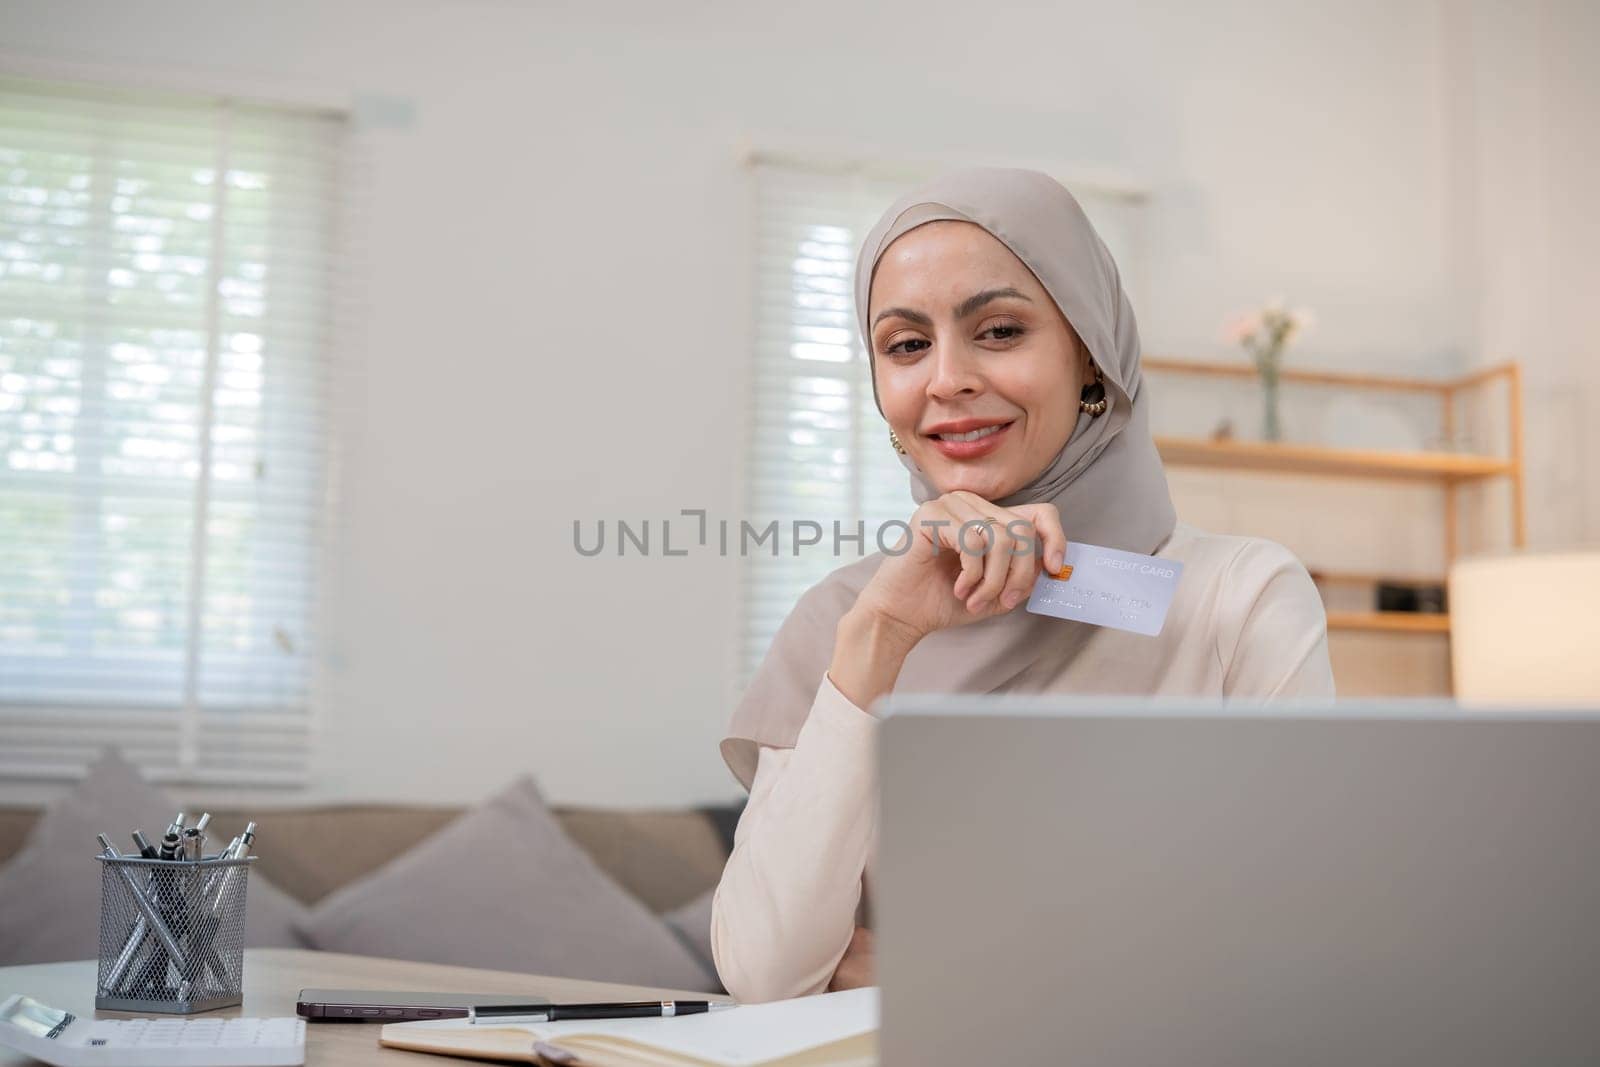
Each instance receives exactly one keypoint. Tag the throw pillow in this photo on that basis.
(503, 887)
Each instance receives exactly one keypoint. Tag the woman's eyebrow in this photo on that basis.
(977, 300)
(960, 311)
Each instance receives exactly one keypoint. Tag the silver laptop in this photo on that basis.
(1092, 882)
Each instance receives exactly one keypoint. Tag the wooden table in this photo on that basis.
(273, 977)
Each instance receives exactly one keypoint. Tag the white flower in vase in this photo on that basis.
(1265, 335)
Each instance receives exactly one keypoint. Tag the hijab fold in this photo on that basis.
(1107, 481)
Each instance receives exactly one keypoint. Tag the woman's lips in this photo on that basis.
(991, 440)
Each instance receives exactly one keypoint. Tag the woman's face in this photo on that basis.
(965, 340)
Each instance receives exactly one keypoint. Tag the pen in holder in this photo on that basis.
(172, 931)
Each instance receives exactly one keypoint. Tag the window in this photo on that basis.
(819, 450)
(165, 265)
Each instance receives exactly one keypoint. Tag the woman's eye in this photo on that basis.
(899, 347)
(1005, 333)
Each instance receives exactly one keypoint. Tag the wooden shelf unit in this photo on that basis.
(1337, 462)
(1399, 622)
(1446, 469)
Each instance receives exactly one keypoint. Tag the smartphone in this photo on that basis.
(391, 1006)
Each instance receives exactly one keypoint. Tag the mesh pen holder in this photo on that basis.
(171, 934)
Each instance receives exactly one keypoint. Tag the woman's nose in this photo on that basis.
(954, 372)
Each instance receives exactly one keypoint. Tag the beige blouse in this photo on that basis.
(1246, 622)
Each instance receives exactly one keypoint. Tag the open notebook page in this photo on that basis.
(746, 1036)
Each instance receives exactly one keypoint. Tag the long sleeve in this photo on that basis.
(785, 909)
(1273, 628)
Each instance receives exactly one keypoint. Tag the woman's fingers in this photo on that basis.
(972, 563)
(1047, 523)
(999, 550)
(973, 542)
(1024, 568)
(943, 528)
(994, 531)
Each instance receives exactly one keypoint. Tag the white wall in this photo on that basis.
(1527, 104)
(551, 314)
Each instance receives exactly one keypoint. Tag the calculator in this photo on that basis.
(68, 1040)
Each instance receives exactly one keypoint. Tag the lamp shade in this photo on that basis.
(1526, 628)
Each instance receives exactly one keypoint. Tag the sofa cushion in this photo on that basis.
(665, 858)
(320, 849)
(15, 826)
(504, 887)
(692, 924)
(50, 891)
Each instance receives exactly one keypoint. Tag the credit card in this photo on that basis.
(1109, 587)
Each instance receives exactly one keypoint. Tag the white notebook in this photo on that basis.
(826, 1030)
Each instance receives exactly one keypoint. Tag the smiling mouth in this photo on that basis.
(974, 435)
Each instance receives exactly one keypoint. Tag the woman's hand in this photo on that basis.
(964, 559)
(858, 967)
(967, 560)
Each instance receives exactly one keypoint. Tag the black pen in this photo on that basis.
(628, 1009)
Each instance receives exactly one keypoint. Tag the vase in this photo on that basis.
(1271, 428)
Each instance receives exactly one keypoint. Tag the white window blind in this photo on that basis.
(819, 450)
(164, 323)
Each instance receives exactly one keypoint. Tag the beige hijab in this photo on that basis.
(1107, 480)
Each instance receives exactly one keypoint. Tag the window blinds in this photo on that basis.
(819, 449)
(165, 268)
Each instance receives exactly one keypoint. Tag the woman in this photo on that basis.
(1005, 359)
